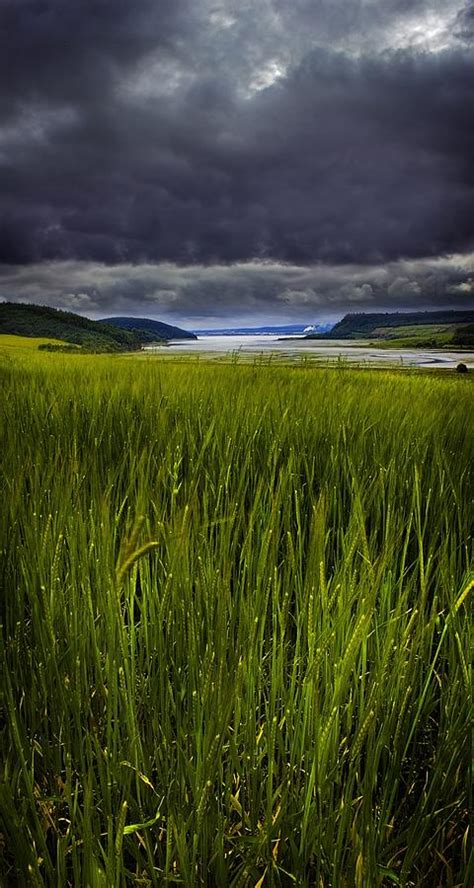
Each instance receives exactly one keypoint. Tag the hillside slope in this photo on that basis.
(426, 326)
(156, 329)
(22, 319)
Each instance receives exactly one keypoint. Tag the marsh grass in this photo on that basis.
(234, 625)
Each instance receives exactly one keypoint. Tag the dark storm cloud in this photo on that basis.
(464, 24)
(203, 133)
(56, 52)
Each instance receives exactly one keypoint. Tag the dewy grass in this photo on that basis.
(234, 617)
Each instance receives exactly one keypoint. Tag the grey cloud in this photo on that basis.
(250, 291)
(404, 288)
(364, 293)
(464, 23)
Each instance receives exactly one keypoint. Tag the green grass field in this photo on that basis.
(23, 343)
(418, 330)
(419, 336)
(235, 625)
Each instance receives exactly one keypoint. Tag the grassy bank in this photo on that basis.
(234, 625)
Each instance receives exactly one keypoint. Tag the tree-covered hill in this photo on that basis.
(23, 319)
(464, 336)
(426, 326)
(157, 329)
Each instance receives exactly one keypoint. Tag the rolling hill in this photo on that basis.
(22, 319)
(421, 328)
(155, 329)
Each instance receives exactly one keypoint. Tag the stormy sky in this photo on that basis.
(211, 161)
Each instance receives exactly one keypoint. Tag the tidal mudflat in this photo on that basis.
(328, 351)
